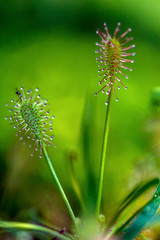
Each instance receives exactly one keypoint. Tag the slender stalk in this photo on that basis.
(59, 185)
(103, 155)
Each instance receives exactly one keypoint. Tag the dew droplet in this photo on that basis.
(52, 137)
(106, 103)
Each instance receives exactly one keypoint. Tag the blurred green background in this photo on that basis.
(50, 44)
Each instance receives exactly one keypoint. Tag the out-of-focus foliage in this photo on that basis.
(51, 45)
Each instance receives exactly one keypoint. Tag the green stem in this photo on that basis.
(103, 155)
(59, 185)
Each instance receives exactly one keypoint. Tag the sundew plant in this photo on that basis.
(30, 116)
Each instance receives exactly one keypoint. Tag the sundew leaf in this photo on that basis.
(15, 226)
(132, 197)
(146, 214)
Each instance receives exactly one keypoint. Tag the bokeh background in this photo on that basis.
(50, 44)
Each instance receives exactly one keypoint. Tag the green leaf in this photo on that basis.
(88, 141)
(146, 214)
(74, 181)
(14, 226)
(154, 221)
(132, 197)
(144, 237)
